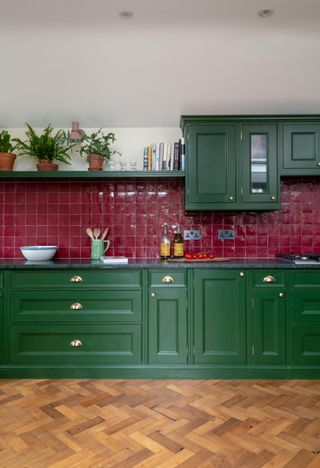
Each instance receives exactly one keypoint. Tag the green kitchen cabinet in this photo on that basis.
(167, 317)
(268, 321)
(305, 318)
(2, 318)
(231, 164)
(301, 148)
(219, 317)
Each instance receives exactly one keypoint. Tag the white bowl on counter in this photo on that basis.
(39, 252)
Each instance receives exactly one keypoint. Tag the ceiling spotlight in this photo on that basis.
(126, 14)
(264, 12)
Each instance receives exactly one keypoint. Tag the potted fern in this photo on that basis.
(47, 147)
(96, 147)
(7, 148)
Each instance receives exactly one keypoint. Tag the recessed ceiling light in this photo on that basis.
(264, 12)
(126, 14)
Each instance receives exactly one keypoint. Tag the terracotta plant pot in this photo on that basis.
(7, 161)
(46, 166)
(96, 162)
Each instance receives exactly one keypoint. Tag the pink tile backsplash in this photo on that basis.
(59, 213)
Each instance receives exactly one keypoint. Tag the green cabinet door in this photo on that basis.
(301, 149)
(167, 323)
(259, 179)
(211, 166)
(1, 328)
(306, 344)
(268, 324)
(219, 317)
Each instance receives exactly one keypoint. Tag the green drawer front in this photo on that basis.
(306, 345)
(306, 304)
(167, 278)
(269, 278)
(76, 279)
(305, 278)
(76, 306)
(102, 344)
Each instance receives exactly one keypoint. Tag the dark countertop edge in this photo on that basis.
(240, 263)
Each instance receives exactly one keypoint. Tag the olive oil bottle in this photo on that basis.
(165, 245)
(178, 243)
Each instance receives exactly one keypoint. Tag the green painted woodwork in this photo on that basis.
(210, 166)
(158, 279)
(268, 324)
(2, 328)
(108, 344)
(269, 199)
(306, 344)
(220, 317)
(76, 307)
(37, 279)
(167, 336)
(301, 149)
(86, 175)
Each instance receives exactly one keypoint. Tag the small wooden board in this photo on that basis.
(199, 260)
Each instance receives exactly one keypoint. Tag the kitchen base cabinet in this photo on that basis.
(219, 317)
(306, 345)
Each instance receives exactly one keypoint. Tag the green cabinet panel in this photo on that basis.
(2, 328)
(76, 279)
(211, 166)
(219, 317)
(306, 304)
(76, 306)
(82, 344)
(301, 149)
(268, 324)
(167, 335)
(259, 178)
(306, 344)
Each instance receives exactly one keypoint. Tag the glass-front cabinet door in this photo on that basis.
(260, 181)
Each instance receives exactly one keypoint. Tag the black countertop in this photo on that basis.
(154, 263)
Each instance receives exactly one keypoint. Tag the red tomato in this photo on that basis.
(188, 256)
(200, 256)
(205, 255)
(211, 256)
(195, 256)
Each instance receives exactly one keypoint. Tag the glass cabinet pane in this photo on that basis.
(259, 163)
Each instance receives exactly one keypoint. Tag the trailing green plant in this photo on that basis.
(98, 143)
(46, 146)
(6, 145)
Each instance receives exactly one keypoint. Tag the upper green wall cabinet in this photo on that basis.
(301, 149)
(231, 164)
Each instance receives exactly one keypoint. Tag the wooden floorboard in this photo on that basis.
(159, 423)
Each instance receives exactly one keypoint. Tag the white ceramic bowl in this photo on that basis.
(38, 252)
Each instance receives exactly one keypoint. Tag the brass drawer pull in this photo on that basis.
(76, 279)
(269, 279)
(152, 295)
(167, 279)
(76, 306)
(76, 343)
(281, 294)
(318, 164)
(241, 274)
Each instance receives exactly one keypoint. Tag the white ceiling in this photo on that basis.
(67, 60)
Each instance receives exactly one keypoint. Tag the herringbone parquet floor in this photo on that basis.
(159, 423)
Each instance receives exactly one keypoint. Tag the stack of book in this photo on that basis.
(164, 156)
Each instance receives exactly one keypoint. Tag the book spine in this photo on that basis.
(176, 156)
(145, 158)
(183, 155)
(149, 158)
(153, 164)
(165, 155)
(161, 155)
(157, 156)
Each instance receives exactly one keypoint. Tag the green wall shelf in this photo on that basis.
(86, 175)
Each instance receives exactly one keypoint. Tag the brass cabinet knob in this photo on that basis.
(273, 198)
(269, 279)
(167, 279)
(76, 306)
(281, 294)
(241, 274)
(318, 164)
(76, 343)
(231, 198)
(76, 279)
(152, 295)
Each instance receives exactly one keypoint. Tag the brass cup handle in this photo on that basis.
(281, 294)
(76, 279)
(269, 279)
(76, 306)
(76, 343)
(167, 279)
(152, 295)
(318, 164)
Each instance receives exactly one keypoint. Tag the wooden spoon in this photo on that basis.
(90, 233)
(105, 232)
(96, 233)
